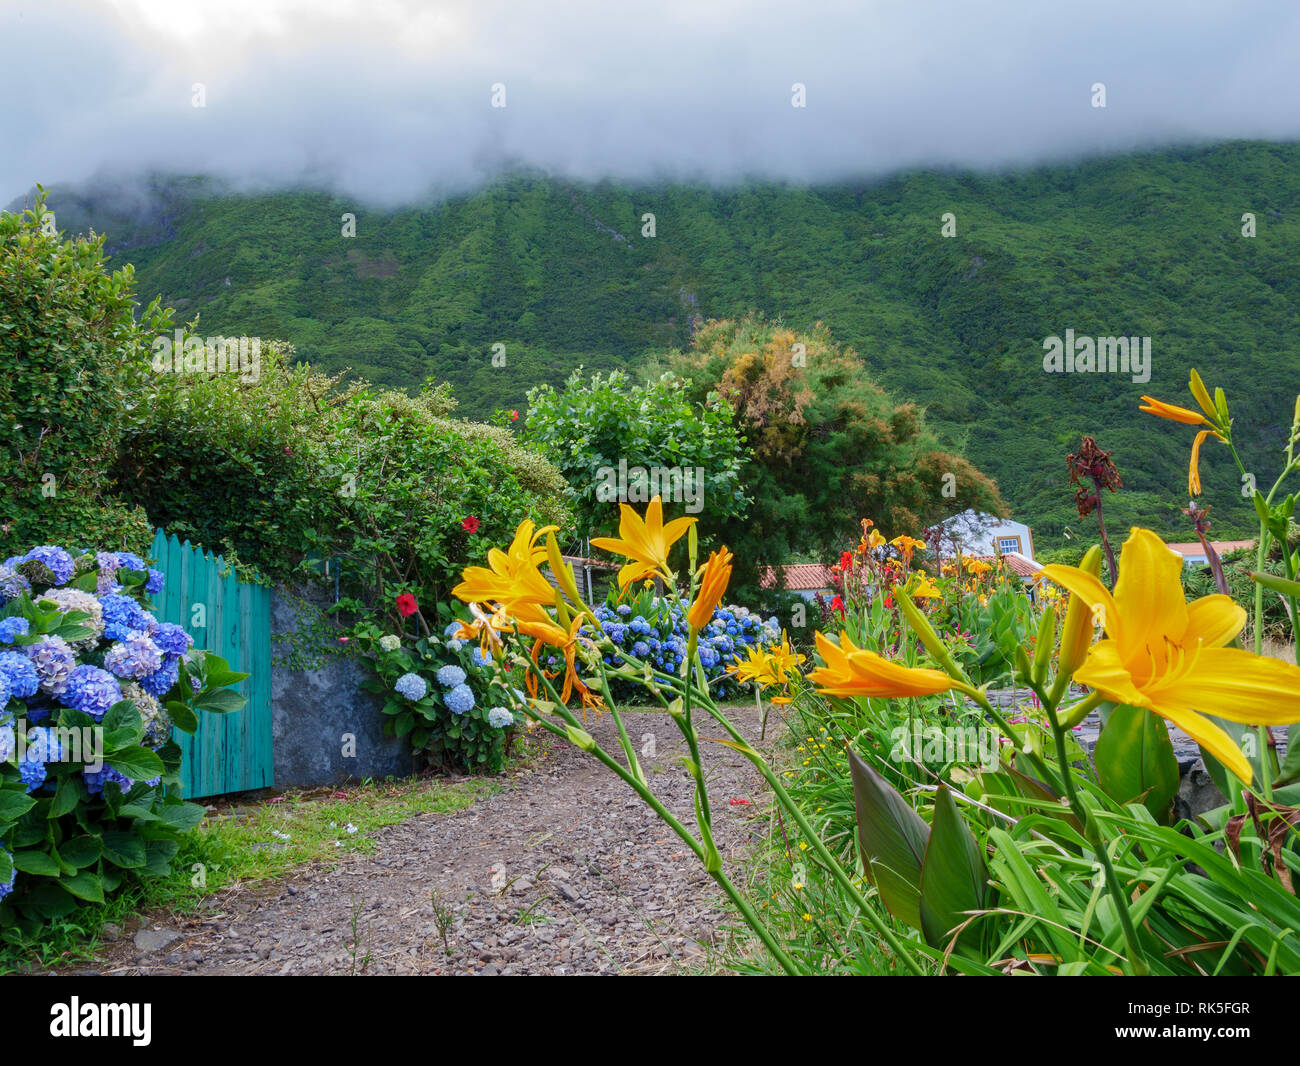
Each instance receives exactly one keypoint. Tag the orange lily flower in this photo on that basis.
(716, 575)
(852, 671)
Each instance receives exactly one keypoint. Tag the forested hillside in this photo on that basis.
(561, 274)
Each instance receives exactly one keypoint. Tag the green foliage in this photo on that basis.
(594, 429)
(292, 468)
(73, 353)
(1139, 244)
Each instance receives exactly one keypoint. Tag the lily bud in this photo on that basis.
(920, 625)
(1043, 646)
(1076, 632)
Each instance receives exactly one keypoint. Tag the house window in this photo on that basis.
(1008, 544)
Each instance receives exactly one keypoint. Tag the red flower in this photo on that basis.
(470, 523)
(846, 560)
(837, 604)
(889, 601)
(406, 605)
(740, 803)
(514, 416)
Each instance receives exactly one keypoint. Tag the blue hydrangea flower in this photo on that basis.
(480, 658)
(171, 638)
(623, 609)
(97, 779)
(499, 718)
(12, 584)
(54, 661)
(412, 686)
(92, 691)
(460, 699)
(8, 886)
(123, 615)
(640, 649)
(134, 657)
(450, 676)
(157, 579)
(130, 561)
(451, 630)
(12, 628)
(57, 561)
(160, 682)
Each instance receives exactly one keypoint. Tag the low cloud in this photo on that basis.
(391, 100)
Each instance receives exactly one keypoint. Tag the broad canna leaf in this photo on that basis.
(1135, 760)
(954, 876)
(893, 838)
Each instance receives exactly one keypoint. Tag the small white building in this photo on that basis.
(973, 533)
(1193, 555)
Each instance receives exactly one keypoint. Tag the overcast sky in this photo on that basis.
(391, 100)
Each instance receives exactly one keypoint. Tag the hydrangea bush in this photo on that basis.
(445, 695)
(91, 686)
(648, 629)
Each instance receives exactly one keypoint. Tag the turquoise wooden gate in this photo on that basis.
(229, 752)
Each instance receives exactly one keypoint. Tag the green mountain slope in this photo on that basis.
(560, 274)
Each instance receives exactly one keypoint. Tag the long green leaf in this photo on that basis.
(954, 877)
(893, 839)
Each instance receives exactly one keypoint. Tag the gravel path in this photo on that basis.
(565, 871)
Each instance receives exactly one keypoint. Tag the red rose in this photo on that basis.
(470, 524)
(406, 605)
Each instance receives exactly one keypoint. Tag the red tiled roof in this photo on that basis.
(1220, 546)
(799, 577)
(1016, 563)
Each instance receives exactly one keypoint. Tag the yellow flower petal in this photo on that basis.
(1214, 620)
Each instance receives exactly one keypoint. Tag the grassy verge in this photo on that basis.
(258, 842)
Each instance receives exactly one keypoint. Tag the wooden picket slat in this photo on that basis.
(228, 753)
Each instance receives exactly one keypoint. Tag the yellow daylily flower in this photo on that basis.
(511, 577)
(646, 543)
(1170, 656)
(852, 671)
(756, 666)
(785, 660)
(713, 583)
(925, 590)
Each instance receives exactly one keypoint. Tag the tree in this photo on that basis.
(829, 446)
(73, 355)
(615, 441)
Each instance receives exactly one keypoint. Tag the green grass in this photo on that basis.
(259, 842)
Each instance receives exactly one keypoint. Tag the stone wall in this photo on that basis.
(316, 710)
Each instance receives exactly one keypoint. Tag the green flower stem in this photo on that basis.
(751, 917)
(632, 763)
(1137, 959)
(823, 852)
